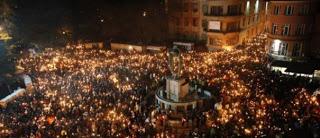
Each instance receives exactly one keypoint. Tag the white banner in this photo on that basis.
(214, 25)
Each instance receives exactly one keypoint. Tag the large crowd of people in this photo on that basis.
(100, 93)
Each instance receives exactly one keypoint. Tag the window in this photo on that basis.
(233, 10)
(185, 7)
(297, 49)
(256, 8)
(286, 30)
(210, 41)
(205, 9)
(275, 46)
(205, 24)
(300, 29)
(233, 26)
(304, 10)
(248, 8)
(279, 48)
(289, 10)
(195, 22)
(276, 10)
(267, 4)
(274, 29)
(186, 22)
(283, 49)
(216, 10)
(195, 7)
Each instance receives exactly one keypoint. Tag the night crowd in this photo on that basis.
(99, 93)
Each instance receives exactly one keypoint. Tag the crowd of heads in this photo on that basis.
(100, 93)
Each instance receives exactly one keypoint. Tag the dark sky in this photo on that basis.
(44, 20)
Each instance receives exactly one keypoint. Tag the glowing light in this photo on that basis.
(248, 7)
(228, 48)
(276, 45)
(256, 7)
(130, 47)
(144, 14)
(247, 131)
(89, 75)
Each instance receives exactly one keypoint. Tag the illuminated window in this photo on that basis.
(275, 46)
(256, 8)
(279, 48)
(289, 10)
(248, 8)
(267, 4)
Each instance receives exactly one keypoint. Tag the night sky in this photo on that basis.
(44, 21)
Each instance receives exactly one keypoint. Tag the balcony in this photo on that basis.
(223, 33)
(283, 19)
(288, 37)
(224, 18)
(222, 15)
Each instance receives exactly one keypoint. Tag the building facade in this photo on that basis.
(221, 23)
(229, 23)
(185, 19)
(290, 27)
(315, 52)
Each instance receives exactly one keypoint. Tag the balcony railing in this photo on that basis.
(224, 32)
(292, 36)
(228, 14)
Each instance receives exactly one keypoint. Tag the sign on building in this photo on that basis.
(214, 25)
